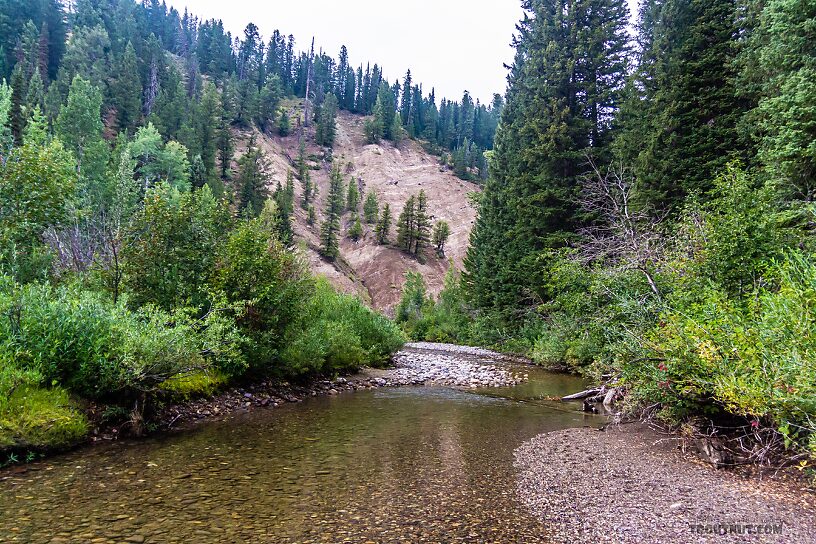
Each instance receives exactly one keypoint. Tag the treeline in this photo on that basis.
(648, 214)
(193, 80)
(135, 266)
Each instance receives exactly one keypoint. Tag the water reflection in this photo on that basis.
(390, 465)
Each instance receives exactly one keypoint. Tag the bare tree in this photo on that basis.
(623, 235)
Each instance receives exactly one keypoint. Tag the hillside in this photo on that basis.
(374, 272)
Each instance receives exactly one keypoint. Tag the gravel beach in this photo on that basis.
(632, 484)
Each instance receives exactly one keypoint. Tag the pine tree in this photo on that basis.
(693, 107)
(422, 223)
(371, 208)
(226, 148)
(352, 196)
(127, 89)
(312, 218)
(253, 177)
(441, 233)
(334, 210)
(284, 124)
(383, 228)
(6, 138)
(356, 230)
(406, 225)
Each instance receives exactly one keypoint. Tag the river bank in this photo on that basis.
(416, 364)
(633, 484)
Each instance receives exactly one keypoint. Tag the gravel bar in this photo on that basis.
(632, 484)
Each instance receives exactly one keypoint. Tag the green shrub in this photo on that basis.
(97, 349)
(337, 333)
(192, 385)
(755, 359)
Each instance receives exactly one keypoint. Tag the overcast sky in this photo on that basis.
(451, 45)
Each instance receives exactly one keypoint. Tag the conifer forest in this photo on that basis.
(399, 316)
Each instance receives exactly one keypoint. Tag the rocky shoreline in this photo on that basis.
(416, 364)
(633, 484)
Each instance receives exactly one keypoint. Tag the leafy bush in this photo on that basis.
(338, 333)
(79, 340)
(264, 287)
(757, 360)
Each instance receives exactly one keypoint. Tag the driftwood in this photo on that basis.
(583, 394)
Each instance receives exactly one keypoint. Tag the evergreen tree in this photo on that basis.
(285, 199)
(284, 124)
(356, 230)
(253, 178)
(692, 104)
(563, 90)
(312, 217)
(441, 233)
(406, 225)
(334, 210)
(383, 228)
(352, 196)
(79, 125)
(371, 208)
(779, 66)
(35, 96)
(6, 138)
(127, 89)
(326, 122)
(17, 109)
(422, 223)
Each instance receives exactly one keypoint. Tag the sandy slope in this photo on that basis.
(375, 272)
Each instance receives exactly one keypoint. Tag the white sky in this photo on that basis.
(451, 45)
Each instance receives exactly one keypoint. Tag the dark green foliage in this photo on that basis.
(440, 236)
(371, 209)
(284, 125)
(326, 116)
(127, 90)
(383, 229)
(285, 199)
(334, 211)
(352, 196)
(564, 85)
(406, 231)
(253, 178)
(171, 246)
(691, 102)
(356, 230)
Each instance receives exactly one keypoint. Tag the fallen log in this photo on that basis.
(582, 394)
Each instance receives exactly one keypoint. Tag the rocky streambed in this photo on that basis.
(420, 363)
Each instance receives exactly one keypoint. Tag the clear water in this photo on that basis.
(414, 464)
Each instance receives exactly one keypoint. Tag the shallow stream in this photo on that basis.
(410, 464)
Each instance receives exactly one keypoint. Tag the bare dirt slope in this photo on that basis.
(374, 272)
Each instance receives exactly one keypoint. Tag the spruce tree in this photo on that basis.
(17, 110)
(564, 88)
(383, 228)
(406, 225)
(371, 207)
(253, 178)
(422, 223)
(692, 103)
(356, 230)
(127, 89)
(334, 210)
(352, 196)
(285, 199)
(326, 122)
(284, 124)
(35, 96)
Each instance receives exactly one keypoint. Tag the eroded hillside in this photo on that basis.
(372, 271)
